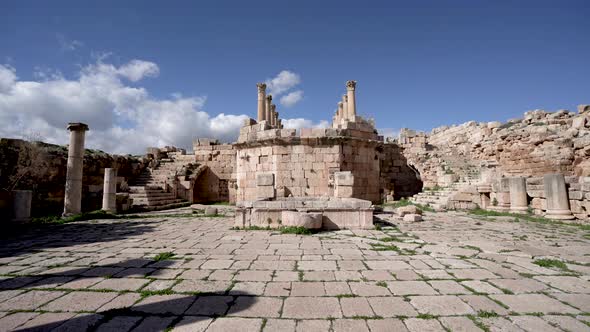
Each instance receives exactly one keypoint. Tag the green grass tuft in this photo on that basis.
(163, 256)
(549, 263)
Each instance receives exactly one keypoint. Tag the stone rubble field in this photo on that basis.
(451, 272)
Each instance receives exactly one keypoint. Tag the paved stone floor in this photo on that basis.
(451, 272)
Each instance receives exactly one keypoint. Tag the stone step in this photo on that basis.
(154, 202)
(152, 195)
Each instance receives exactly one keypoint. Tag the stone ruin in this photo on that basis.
(331, 177)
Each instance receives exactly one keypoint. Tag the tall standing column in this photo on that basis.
(350, 87)
(518, 197)
(277, 119)
(344, 107)
(339, 112)
(261, 101)
(558, 205)
(268, 115)
(273, 111)
(109, 193)
(73, 198)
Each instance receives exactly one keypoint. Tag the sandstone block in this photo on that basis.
(265, 179)
(265, 192)
(344, 178)
(302, 219)
(412, 217)
(410, 209)
(210, 211)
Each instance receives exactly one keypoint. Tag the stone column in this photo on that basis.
(261, 101)
(277, 119)
(268, 115)
(73, 198)
(273, 110)
(344, 107)
(558, 206)
(351, 110)
(518, 196)
(340, 112)
(21, 205)
(109, 193)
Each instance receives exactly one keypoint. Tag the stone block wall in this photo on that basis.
(217, 183)
(304, 165)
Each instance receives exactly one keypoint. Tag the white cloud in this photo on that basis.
(281, 83)
(292, 98)
(138, 69)
(299, 123)
(67, 44)
(122, 118)
(7, 78)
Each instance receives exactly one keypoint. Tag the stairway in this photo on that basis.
(437, 199)
(148, 190)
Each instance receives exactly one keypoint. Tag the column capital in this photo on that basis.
(273, 107)
(261, 87)
(344, 98)
(77, 126)
(269, 97)
(350, 85)
(340, 104)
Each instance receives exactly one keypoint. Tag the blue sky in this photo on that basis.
(418, 64)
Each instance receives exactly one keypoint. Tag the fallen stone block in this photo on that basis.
(302, 219)
(405, 210)
(412, 217)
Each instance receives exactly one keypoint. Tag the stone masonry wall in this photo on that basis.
(218, 182)
(304, 165)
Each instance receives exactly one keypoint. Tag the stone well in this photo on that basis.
(336, 213)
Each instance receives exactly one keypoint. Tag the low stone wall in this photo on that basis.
(337, 213)
(45, 166)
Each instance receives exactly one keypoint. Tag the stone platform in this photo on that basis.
(450, 272)
(335, 213)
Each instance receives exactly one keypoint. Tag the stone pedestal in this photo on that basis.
(501, 195)
(557, 200)
(351, 113)
(261, 101)
(518, 196)
(109, 195)
(73, 196)
(21, 205)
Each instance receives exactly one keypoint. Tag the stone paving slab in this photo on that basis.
(450, 272)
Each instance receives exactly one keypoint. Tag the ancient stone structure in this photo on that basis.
(261, 101)
(470, 165)
(109, 194)
(73, 193)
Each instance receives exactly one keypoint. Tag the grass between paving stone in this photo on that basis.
(478, 323)
(427, 316)
(163, 256)
(406, 202)
(549, 263)
(100, 214)
(283, 229)
(486, 314)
